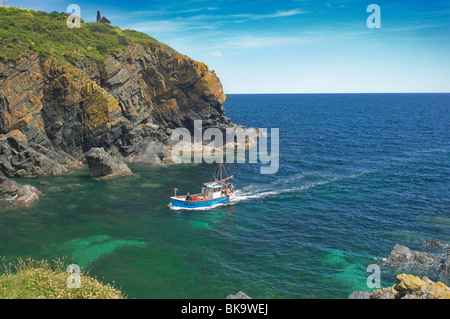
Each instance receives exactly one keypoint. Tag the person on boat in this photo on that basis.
(188, 196)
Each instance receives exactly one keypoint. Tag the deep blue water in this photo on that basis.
(358, 174)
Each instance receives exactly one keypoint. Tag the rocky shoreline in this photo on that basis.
(53, 113)
(408, 287)
(405, 260)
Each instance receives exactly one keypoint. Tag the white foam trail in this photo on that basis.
(252, 192)
(242, 195)
(290, 179)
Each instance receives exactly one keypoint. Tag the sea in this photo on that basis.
(357, 174)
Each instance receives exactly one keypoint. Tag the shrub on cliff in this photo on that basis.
(31, 279)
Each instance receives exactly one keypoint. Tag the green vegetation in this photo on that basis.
(31, 279)
(23, 30)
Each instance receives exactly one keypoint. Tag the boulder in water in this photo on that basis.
(16, 194)
(104, 165)
(403, 257)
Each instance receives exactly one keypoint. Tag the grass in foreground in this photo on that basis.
(31, 279)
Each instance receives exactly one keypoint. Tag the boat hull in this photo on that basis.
(198, 203)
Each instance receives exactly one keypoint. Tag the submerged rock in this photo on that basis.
(102, 164)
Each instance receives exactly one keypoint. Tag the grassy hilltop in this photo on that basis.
(24, 30)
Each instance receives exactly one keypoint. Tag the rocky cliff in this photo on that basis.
(53, 111)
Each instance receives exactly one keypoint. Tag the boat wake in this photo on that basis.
(278, 187)
(253, 192)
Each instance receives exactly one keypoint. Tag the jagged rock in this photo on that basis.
(403, 257)
(14, 193)
(102, 164)
(20, 158)
(27, 195)
(146, 153)
(239, 295)
(384, 293)
(409, 287)
(434, 244)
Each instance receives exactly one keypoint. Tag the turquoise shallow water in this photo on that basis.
(358, 173)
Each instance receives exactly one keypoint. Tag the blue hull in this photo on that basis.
(197, 204)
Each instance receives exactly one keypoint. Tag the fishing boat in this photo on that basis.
(218, 190)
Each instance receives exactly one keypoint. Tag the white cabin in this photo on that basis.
(212, 190)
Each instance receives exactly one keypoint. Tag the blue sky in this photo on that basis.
(297, 46)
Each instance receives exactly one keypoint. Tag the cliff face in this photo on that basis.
(53, 112)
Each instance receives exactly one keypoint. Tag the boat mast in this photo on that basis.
(220, 171)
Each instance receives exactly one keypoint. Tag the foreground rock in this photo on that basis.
(16, 194)
(359, 295)
(408, 287)
(239, 295)
(103, 165)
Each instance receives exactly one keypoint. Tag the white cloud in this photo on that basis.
(201, 21)
(278, 14)
(217, 53)
(417, 27)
